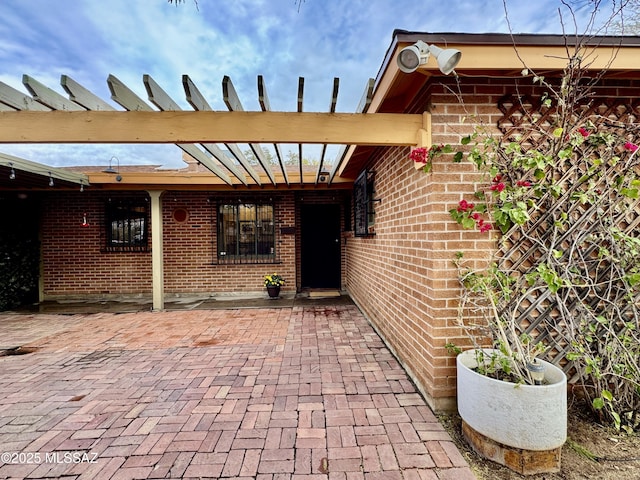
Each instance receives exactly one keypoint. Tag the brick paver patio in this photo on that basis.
(266, 393)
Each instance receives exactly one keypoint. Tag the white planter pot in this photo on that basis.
(530, 417)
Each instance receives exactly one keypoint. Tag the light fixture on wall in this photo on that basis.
(12, 174)
(84, 220)
(110, 168)
(115, 171)
(51, 180)
(411, 57)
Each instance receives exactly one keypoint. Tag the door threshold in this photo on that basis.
(324, 293)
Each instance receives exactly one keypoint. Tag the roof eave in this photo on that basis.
(499, 54)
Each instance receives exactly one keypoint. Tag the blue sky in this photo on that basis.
(278, 39)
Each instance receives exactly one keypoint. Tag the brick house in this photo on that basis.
(373, 226)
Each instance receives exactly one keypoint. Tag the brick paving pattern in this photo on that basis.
(268, 394)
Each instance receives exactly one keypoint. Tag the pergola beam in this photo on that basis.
(377, 129)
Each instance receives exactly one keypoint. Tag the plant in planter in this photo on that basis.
(565, 275)
(273, 282)
(513, 404)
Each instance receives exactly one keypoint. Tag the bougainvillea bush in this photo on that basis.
(561, 198)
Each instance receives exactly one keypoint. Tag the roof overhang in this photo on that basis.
(509, 54)
(502, 55)
(20, 174)
(499, 55)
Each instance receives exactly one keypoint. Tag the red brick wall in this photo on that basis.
(73, 260)
(190, 250)
(74, 263)
(403, 277)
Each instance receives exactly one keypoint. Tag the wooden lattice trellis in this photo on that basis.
(527, 120)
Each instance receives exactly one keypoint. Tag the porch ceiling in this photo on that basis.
(20, 174)
(48, 117)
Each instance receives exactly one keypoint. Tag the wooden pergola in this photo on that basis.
(84, 118)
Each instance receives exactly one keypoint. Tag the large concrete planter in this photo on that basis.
(505, 422)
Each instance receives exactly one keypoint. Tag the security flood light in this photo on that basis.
(411, 57)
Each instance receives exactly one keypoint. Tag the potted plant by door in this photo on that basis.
(273, 282)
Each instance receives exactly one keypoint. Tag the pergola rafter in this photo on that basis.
(300, 109)
(363, 107)
(233, 103)
(82, 96)
(17, 100)
(263, 98)
(128, 99)
(332, 109)
(199, 103)
(164, 102)
(49, 97)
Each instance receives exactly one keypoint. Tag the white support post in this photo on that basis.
(157, 256)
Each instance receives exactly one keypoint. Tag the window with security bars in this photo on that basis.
(127, 226)
(364, 213)
(246, 233)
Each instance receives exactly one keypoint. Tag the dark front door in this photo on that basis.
(320, 246)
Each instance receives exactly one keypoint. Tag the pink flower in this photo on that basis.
(497, 178)
(523, 183)
(464, 206)
(485, 227)
(584, 132)
(476, 216)
(632, 147)
(498, 187)
(419, 155)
